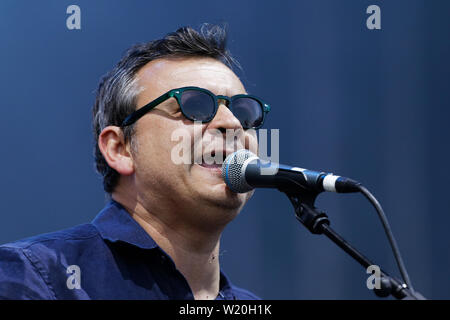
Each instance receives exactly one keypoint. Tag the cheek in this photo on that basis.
(157, 146)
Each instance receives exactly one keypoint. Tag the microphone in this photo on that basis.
(243, 171)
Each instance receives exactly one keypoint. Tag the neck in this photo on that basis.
(194, 252)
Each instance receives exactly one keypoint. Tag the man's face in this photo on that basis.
(193, 186)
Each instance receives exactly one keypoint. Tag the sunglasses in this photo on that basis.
(198, 104)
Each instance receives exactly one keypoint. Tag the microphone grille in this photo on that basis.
(232, 172)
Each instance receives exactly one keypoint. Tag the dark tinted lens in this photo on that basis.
(197, 105)
(248, 111)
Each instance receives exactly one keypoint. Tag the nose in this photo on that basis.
(224, 119)
(233, 134)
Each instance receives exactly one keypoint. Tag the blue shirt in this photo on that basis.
(110, 258)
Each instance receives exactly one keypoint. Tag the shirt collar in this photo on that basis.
(115, 224)
(225, 289)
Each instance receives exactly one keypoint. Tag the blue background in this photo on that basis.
(368, 104)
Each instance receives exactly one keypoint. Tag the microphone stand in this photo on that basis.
(317, 222)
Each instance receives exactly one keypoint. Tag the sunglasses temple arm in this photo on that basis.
(132, 118)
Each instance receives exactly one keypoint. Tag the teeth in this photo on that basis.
(214, 165)
(213, 155)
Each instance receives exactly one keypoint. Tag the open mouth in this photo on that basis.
(216, 163)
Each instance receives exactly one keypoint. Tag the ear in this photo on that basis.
(112, 145)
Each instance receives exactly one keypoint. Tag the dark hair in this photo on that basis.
(118, 90)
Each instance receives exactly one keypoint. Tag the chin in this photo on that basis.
(210, 188)
(221, 196)
(212, 207)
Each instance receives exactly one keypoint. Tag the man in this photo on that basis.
(159, 236)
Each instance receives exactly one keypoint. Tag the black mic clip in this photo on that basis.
(307, 214)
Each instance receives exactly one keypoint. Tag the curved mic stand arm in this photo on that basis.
(317, 222)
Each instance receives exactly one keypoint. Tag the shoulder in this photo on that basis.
(48, 249)
(53, 245)
(26, 264)
(80, 232)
